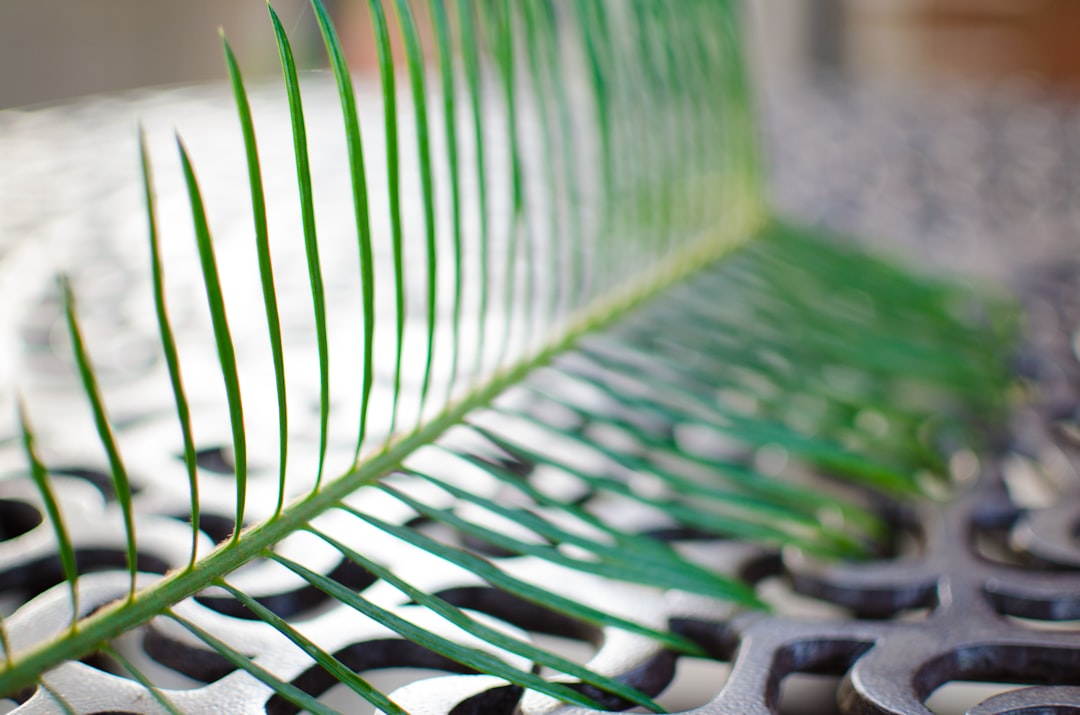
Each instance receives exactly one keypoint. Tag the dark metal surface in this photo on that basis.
(944, 606)
(982, 586)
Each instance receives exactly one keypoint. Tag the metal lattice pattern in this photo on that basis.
(972, 566)
(944, 607)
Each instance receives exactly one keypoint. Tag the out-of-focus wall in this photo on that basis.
(807, 37)
(51, 50)
(923, 41)
(55, 49)
(905, 40)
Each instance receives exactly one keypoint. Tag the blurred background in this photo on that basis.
(51, 50)
(947, 129)
(943, 126)
(54, 50)
(923, 43)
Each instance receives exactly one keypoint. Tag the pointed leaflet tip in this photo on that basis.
(266, 268)
(361, 209)
(222, 336)
(56, 520)
(311, 244)
(118, 471)
(393, 179)
(168, 346)
(415, 60)
(444, 46)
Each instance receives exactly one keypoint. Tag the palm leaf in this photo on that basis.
(609, 317)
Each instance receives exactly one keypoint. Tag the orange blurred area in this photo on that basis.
(981, 40)
(51, 50)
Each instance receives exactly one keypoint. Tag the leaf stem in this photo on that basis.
(109, 621)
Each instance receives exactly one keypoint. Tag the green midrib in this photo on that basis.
(745, 218)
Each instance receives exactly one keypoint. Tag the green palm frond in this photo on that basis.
(568, 284)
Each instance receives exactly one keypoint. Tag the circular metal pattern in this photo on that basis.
(972, 601)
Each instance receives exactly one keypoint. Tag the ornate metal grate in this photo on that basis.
(971, 591)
